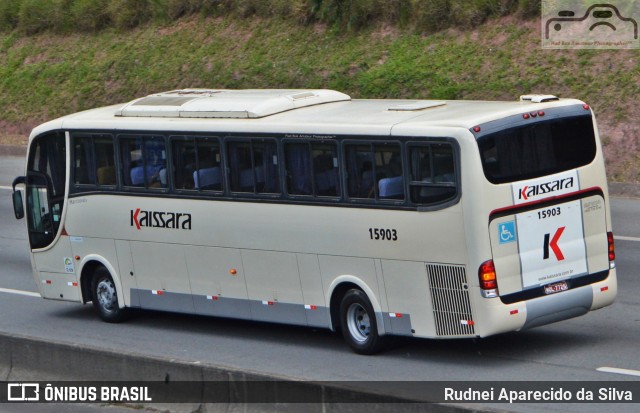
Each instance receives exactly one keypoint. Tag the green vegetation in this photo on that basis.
(65, 16)
(119, 52)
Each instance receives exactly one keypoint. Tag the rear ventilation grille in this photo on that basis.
(450, 296)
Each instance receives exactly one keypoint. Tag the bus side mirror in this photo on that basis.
(18, 205)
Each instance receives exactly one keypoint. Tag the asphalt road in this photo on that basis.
(572, 350)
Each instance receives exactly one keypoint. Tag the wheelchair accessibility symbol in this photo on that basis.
(507, 232)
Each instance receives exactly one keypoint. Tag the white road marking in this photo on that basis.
(19, 292)
(621, 238)
(615, 370)
(5, 187)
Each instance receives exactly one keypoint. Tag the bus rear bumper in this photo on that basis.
(570, 304)
(551, 308)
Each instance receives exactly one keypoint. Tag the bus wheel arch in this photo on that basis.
(336, 298)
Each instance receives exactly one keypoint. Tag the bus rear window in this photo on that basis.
(538, 149)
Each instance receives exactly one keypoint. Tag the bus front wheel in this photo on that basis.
(105, 297)
(358, 323)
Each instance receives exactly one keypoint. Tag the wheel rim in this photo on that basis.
(358, 322)
(106, 293)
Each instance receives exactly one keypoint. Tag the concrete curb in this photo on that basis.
(34, 359)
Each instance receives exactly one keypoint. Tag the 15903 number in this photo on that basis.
(383, 234)
(551, 212)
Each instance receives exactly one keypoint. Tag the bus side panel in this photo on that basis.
(360, 271)
(52, 260)
(127, 272)
(218, 281)
(55, 273)
(273, 285)
(410, 306)
(162, 277)
(312, 291)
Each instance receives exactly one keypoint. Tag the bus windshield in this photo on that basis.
(538, 149)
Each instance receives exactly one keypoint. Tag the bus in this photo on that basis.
(376, 218)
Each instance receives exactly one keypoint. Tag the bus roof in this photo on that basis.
(319, 112)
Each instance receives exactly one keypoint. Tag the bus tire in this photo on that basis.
(105, 297)
(358, 323)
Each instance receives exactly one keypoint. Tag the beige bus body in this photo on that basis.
(283, 260)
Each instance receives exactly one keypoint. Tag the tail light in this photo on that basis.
(488, 281)
(612, 250)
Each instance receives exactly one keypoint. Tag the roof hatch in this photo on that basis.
(538, 98)
(248, 104)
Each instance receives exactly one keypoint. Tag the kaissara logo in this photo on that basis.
(157, 219)
(545, 188)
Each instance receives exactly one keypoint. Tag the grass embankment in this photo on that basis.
(50, 74)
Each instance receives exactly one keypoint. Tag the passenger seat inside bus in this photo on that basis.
(207, 178)
(391, 188)
(106, 175)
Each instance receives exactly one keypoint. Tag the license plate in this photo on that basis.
(556, 288)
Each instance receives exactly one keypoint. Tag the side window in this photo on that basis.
(375, 171)
(144, 161)
(433, 177)
(83, 159)
(197, 164)
(325, 169)
(105, 162)
(253, 166)
(93, 160)
(359, 160)
(312, 168)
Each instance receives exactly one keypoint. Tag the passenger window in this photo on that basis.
(144, 161)
(325, 169)
(433, 177)
(83, 153)
(359, 171)
(197, 165)
(253, 166)
(105, 162)
(94, 160)
(312, 169)
(375, 171)
(389, 177)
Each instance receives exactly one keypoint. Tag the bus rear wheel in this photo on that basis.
(358, 323)
(105, 297)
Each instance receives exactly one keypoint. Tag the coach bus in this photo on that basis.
(378, 218)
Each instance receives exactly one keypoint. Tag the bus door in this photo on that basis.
(45, 191)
